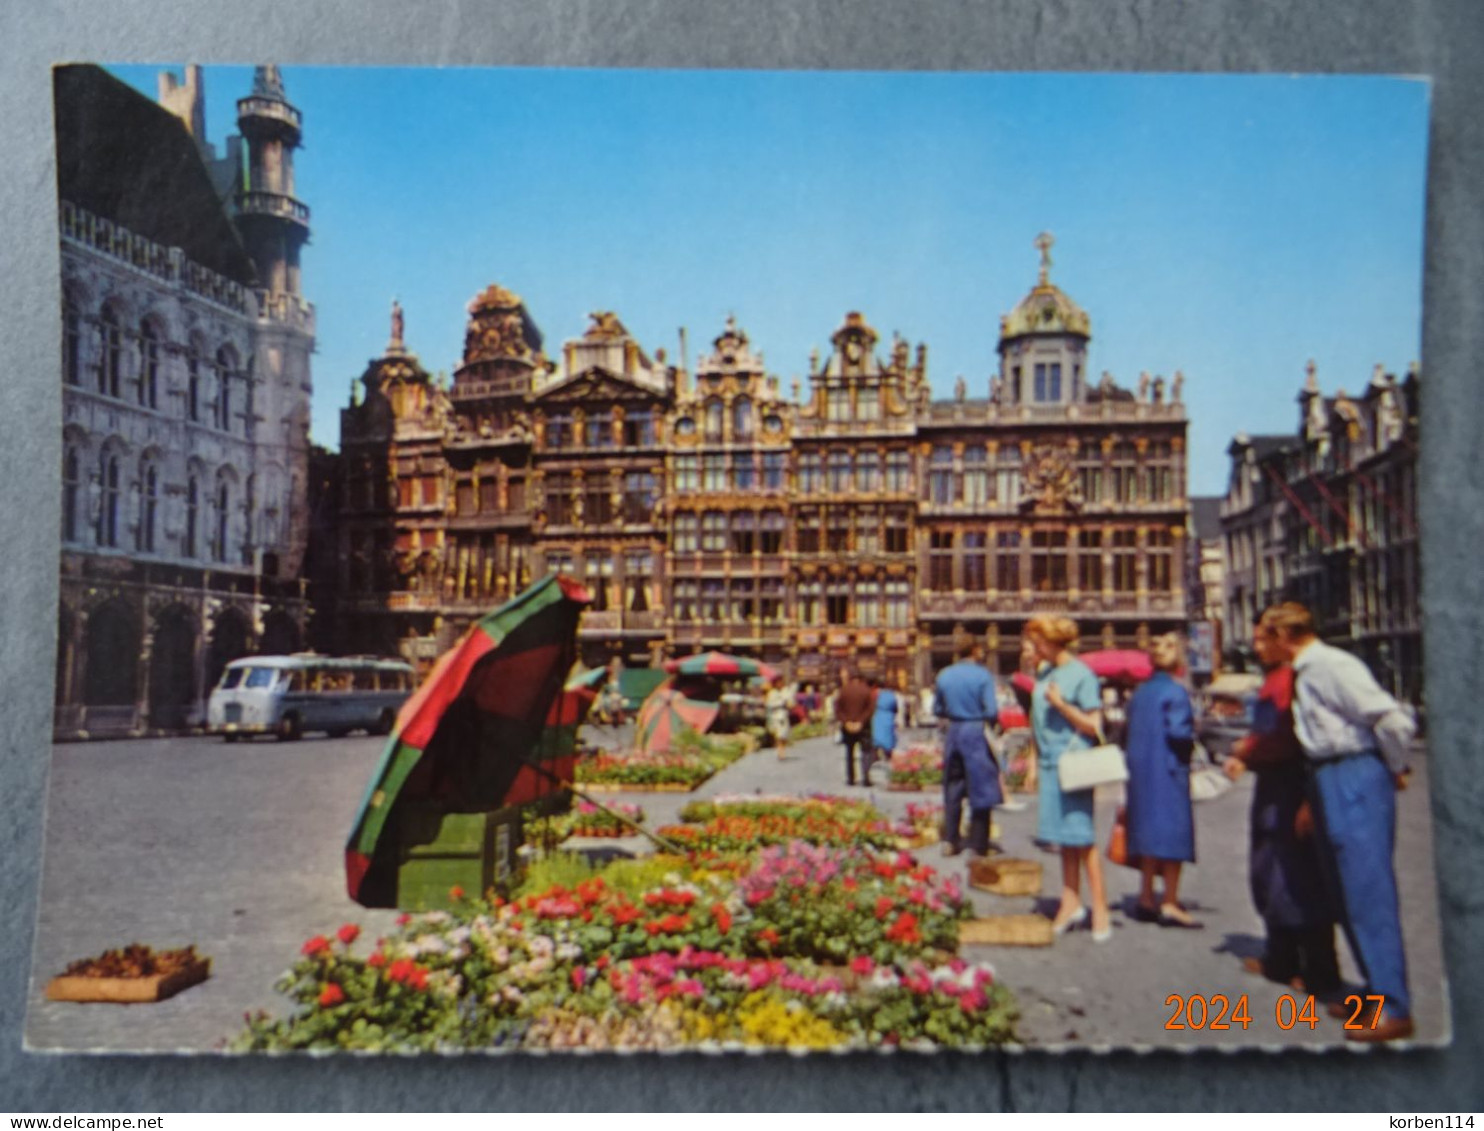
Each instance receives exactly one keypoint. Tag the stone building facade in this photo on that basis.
(1328, 516)
(856, 523)
(185, 397)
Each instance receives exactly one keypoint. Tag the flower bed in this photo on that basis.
(922, 825)
(736, 824)
(693, 759)
(587, 819)
(792, 945)
(916, 767)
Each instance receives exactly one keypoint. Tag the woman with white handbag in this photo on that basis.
(1064, 721)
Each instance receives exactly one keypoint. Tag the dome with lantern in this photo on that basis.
(1047, 309)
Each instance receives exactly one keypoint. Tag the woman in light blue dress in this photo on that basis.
(1064, 717)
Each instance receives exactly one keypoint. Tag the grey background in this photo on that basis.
(1441, 38)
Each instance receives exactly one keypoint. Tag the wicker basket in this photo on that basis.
(1006, 930)
(1006, 875)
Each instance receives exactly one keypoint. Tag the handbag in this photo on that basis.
(1103, 764)
(1118, 838)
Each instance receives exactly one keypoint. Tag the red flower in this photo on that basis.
(316, 946)
(377, 960)
(723, 918)
(403, 919)
(883, 906)
(400, 970)
(850, 883)
(418, 979)
(905, 929)
(862, 964)
(331, 995)
(348, 933)
(603, 961)
(456, 892)
(579, 977)
(769, 936)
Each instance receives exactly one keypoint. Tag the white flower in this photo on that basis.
(883, 978)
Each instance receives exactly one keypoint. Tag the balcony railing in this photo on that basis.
(252, 107)
(275, 204)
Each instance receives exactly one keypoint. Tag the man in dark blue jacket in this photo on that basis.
(965, 699)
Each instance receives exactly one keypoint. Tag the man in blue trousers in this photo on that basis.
(965, 699)
(1356, 741)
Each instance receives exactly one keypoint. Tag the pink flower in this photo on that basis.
(403, 919)
(972, 1001)
(862, 964)
(579, 977)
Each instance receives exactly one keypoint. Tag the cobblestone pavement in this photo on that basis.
(238, 849)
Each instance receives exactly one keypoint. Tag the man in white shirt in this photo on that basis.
(1356, 740)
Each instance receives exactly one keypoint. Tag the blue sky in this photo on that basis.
(1231, 227)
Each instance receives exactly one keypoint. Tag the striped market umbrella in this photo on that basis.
(666, 712)
(719, 664)
(493, 725)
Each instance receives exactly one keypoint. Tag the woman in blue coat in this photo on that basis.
(1161, 828)
(883, 725)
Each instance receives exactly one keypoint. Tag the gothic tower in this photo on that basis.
(275, 226)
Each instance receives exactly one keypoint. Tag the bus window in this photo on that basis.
(231, 678)
(298, 680)
(364, 679)
(261, 677)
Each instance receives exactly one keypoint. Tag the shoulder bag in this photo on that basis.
(1103, 764)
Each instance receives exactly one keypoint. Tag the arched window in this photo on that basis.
(71, 492)
(714, 419)
(149, 365)
(219, 536)
(149, 503)
(224, 378)
(742, 419)
(108, 514)
(193, 385)
(71, 344)
(193, 518)
(110, 369)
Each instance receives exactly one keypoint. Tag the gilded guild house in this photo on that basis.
(185, 397)
(855, 522)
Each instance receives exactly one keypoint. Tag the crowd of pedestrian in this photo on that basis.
(1328, 747)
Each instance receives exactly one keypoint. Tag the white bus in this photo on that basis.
(289, 695)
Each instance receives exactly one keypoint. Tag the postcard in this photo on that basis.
(734, 561)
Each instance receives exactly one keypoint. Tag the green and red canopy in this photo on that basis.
(494, 725)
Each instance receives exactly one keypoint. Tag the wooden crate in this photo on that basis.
(127, 991)
(1006, 930)
(1006, 875)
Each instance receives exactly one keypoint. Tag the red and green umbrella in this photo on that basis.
(719, 664)
(668, 711)
(494, 724)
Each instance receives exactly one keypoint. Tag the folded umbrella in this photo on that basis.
(494, 725)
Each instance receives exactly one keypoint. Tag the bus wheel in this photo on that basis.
(289, 728)
(338, 732)
(384, 722)
(230, 737)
